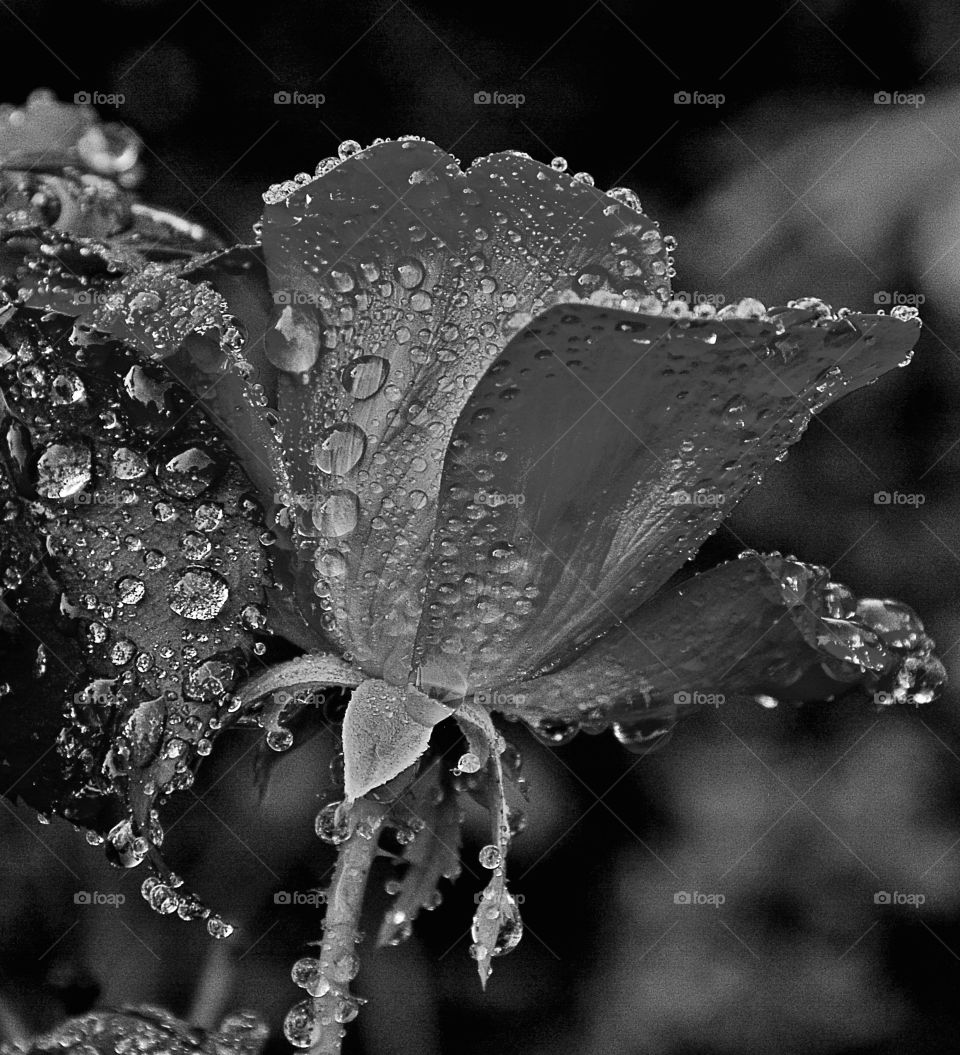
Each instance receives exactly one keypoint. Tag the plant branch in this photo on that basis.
(334, 1005)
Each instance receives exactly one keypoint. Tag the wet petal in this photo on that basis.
(134, 576)
(760, 624)
(597, 454)
(398, 279)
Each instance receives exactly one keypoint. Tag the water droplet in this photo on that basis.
(329, 827)
(279, 739)
(188, 473)
(340, 450)
(302, 1026)
(365, 376)
(130, 591)
(468, 763)
(642, 735)
(199, 594)
(337, 514)
(218, 928)
(410, 273)
(490, 857)
(63, 470)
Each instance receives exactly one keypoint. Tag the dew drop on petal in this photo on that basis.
(340, 450)
(337, 514)
(199, 594)
(63, 470)
(364, 376)
(410, 273)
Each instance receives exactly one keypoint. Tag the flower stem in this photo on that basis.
(314, 670)
(341, 922)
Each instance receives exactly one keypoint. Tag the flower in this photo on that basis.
(498, 438)
(488, 440)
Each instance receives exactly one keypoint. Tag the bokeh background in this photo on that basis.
(819, 154)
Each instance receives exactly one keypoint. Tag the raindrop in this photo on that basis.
(337, 514)
(329, 827)
(340, 450)
(63, 470)
(490, 857)
(199, 594)
(301, 1026)
(365, 376)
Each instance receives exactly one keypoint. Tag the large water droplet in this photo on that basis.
(340, 450)
(63, 470)
(365, 376)
(337, 514)
(199, 594)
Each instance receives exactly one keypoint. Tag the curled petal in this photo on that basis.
(600, 450)
(398, 279)
(756, 625)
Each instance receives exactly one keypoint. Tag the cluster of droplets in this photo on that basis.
(304, 1021)
(150, 1030)
(168, 537)
(165, 897)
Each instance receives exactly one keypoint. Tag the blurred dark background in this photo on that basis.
(819, 154)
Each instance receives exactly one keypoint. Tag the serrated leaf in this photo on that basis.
(433, 855)
(385, 730)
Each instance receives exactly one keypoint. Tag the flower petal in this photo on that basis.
(597, 454)
(398, 279)
(760, 624)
